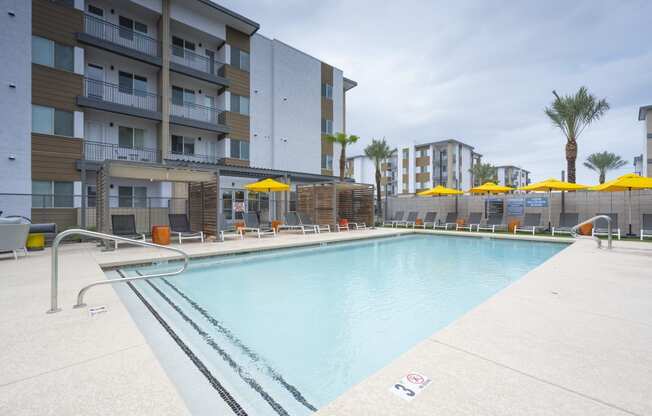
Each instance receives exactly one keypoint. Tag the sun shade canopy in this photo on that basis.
(268, 185)
(553, 185)
(490, 187)
(624, 183)
(439, 191)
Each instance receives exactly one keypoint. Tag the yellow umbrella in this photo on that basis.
(268, 185)
(550, 185)
(439, 191)
(625, 183)
(490, 188)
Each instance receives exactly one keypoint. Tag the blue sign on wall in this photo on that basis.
(536, 201)
(515, 207)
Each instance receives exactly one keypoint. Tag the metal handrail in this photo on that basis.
(574, 234)
(121, 36)
(54, 283)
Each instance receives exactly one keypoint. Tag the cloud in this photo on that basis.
(478, 71)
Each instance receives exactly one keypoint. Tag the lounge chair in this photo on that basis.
(567, 220)
(429, 220)
(410, 221)
(229, 231)
(398, 216)
(600, 227)
(356, 225)
(13, 236)
(494, 222)
(307, 221)
(125, 226)
(180, 226)
(474, 220)
(292, 222)
(646, 226)
(531, 224)
(253, 224)
(451, 219)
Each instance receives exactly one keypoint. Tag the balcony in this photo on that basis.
(192, 157)
(201, 67)
(120, 40)
(104, 96)
(99, 152)
(199, 116)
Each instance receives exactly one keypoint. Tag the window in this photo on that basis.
(180, 46)
(129, 26)
(52, 54)
(227, 205)
(240, 59)
(91, 196)
(327, 91)
(48, 120)
(240, 104)
(182, 96)
(239, 149)
(132, 197)
(183, 145)
(132, 84)
(49, 194)
(95, 11)
(131, 138)
(326, 126)
(327, 162)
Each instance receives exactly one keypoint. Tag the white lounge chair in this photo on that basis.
(430, 219)
(180, 226)
(125, 226)
(646, 226)
(307, 221)
(567, 220)
(473, 221)
(292, 222)
(494, 222)
(600, 227)
(229, 231)
(410, 221)
(531, 224)
(398, 216)
(451, 219)
(252, 224)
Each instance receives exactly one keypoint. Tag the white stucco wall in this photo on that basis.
(338, 116)
(261, 141)
(15, 106)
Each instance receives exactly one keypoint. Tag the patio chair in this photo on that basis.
(253, 224)
(567, 220)
(180, 225)
(13, 236)
(357, 225)
(429, 220)
(646, 226)
(474, 220)
(228, 231)
(306, 221)
(531, 224)
(451, 219)
(494, 222)
(410, 221)
(125, 226)
(600, 227)
(292, 222)
(398, 216)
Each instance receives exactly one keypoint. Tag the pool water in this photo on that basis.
(286, 332)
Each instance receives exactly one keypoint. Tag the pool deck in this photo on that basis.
(573, 337)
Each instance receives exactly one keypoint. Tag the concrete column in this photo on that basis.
(164, 78)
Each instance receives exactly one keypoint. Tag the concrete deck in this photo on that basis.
(574, 336)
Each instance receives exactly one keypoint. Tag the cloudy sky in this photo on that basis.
(479, 71)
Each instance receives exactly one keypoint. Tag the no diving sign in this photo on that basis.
(410, 385)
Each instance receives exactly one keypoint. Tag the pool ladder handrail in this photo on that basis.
(574, 233)
(54, 283)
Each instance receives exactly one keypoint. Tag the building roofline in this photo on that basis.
(254, 26)
(349, 84)
(512, 166)
(642, 112)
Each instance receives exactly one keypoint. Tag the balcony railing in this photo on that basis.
(99, 151)
(195, 61)
(199, 112)
(121, 36)
(116, 94)
(192, 157)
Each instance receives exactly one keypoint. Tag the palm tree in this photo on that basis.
(378, 151)
(572, 114)
(483, 172)
(343, 140)
(604, 162)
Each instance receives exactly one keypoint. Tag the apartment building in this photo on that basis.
(512, 176)
(363, 170)
(152, 84)
(645, 114)
(638, 164)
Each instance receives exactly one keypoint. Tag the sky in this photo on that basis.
(481, 72)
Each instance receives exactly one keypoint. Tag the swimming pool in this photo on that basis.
(285, 332)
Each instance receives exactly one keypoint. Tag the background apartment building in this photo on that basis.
(152, 83)
(363, 170)
(645, 114)
(512, 176)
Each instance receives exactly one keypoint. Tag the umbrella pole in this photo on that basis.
(630, 213)
(550, 210)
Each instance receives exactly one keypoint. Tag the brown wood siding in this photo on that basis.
(239, 81)
(238, 39)
(326, 147)
(423, 161)
(55, 88)
(235, 162)
(326, 74)
(56, 22)
(54, 158)
(422, 177)
(326, 108)
(239, 125)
